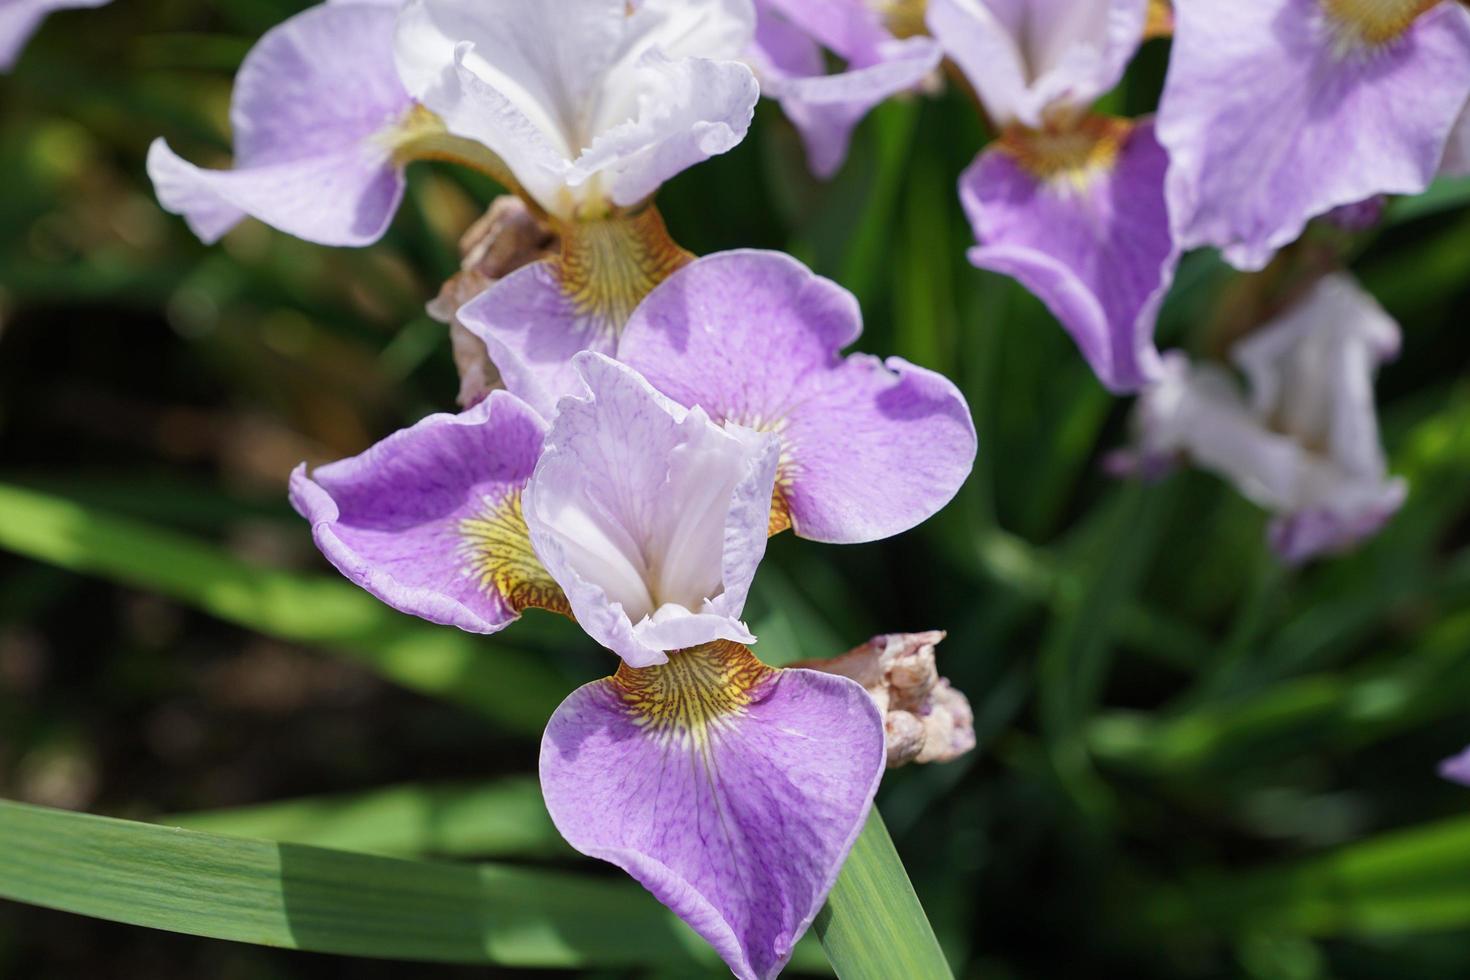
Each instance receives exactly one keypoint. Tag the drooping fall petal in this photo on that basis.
(730, 790)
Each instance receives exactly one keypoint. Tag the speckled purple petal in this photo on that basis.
(731, 791)
(310, 104)
(1457, 768)
(1272, 117)
(19, 19)
(868, 449)
(825, 108)
(1095, 248)
(650, 517)
(429, 520)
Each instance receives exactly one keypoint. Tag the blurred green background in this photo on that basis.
(1193, 763)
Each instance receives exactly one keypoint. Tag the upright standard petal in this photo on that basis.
(19, 19)
(732, 791)
(1305, 446)
(1029, 58)
(1080, 220)
(429, 520)
(317, 112)
(868, 449)
(824, 107)
(591, 103)
(652, 518)
(1277, 111)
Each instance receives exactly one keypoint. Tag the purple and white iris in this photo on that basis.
(1277, 111)
(1304, 443)
(19, 19)
(790, 40)
(732, 790)
(584, 106)
(868, 448)
(1068, 202)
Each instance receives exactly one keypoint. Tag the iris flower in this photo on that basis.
(19, 19)
(1457, 768)
(1277, 111)
(1067, 201)
(583, 106)
(733, 791)
(868, 448)
(1304, 444)
(790, 38)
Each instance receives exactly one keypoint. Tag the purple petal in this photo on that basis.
(849, 29)
(311, 104)
(731, 791)
(868, 449)
(1457, 768)
(652, 518)
(825, 108)
(1026, 57)
(19, 19)
(1272, 116)
(1093, 244)
(1457, 152)
(429, 520)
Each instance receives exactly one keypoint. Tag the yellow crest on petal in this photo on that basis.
(1072, 153)
(1376, 21)
(695, 692)
(608, 265)
(496, 548)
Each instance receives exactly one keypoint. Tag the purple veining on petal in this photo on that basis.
(651, 517)
(868, 448)
(310, 105)
(1272, 116)
(429, 520)
(732, 791)
(1094, 244)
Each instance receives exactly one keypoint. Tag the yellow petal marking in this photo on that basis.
(496, 549)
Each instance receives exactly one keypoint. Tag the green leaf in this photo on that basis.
(310, 898)
(512, 687)
(873, 927)
(494, 819)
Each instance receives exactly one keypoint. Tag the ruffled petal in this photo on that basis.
(590, 103)
(732, 791)
(650, 517)
(1093, 243)
(1272, 116)
(429, 520)
(312, 104)
(868, 449)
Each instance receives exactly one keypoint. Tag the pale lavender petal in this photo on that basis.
(851, 29)
(1272, 116)
(19, 19)
(825, 108)
(312, 104)
(868, 449)
(590, 103)
(1027, 57)
(650, 517)
(429, 520)
(532, 329)
(731, 791)
(1457, 768)
(1094, 245)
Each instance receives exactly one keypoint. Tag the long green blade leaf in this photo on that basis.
(509, 686)
(310, 898)
(873, 927)
(494, 819)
